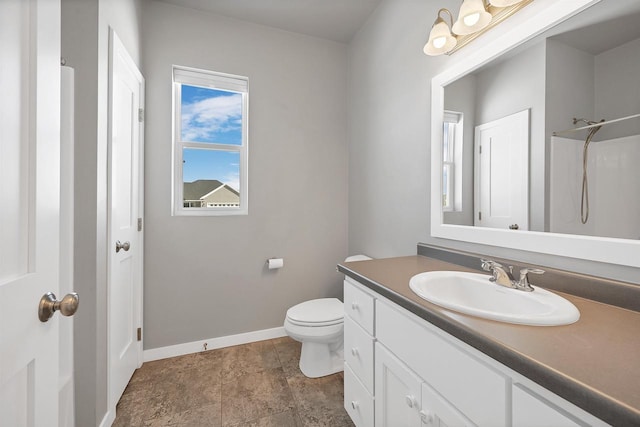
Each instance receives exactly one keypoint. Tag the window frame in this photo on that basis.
(452, 160)
(211, 80)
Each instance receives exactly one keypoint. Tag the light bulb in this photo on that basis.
(439, 42)
(471, 19)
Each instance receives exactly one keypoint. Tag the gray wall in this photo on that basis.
(570, 83)
(617, 91)
(389, 96)
(79, 47)
(389, 122)
(205, 277)
(85, 46)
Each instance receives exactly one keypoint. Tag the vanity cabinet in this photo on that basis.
(359, 354)
(398, 392)
(475, 390)
(400, 370)
(404, 399)
(530, 410)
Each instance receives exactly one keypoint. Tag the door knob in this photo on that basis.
(126, 246)
(49, 305)
(411, 401)
(426, 417)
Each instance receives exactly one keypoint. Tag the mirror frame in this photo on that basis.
(537, 17)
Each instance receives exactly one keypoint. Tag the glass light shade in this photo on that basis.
(472, 17)
(440, 39)
(504, 3)
(471, 20)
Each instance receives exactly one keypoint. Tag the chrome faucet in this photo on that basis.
(504, 277)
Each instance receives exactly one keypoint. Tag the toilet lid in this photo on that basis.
(317, 312)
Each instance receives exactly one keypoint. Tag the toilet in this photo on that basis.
(319, 325)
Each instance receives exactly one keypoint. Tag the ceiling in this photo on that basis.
(602, 36)
(337, 20)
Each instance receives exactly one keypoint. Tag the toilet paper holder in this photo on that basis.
(274, 263)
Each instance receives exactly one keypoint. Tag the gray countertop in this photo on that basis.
(593, 363)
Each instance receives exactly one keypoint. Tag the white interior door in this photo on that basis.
(125, 251)
(501, 198)
(29, 209)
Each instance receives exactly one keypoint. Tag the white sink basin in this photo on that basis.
(474, 294)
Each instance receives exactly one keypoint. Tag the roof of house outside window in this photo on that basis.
(196, 190)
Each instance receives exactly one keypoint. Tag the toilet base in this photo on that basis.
(319, 360)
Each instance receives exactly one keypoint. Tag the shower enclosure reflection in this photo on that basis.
(585, 182)
(608, 170)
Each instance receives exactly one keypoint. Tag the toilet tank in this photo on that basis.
(357, 258)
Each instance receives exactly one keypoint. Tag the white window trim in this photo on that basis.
(455, 164)
(213, 80)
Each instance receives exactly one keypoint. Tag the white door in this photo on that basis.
(29, 209)
(501, 198)
(397, 391)
(125, 250)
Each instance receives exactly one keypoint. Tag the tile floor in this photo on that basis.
(257, 384)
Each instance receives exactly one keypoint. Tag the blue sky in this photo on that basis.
(210, 115)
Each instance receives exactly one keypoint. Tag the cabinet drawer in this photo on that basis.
(358, 305)
(532, 411)
(357, 400)
(358, 352)
(470, 385)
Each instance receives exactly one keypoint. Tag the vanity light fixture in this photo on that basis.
(475, 17)
(504, 3)
(440, 38)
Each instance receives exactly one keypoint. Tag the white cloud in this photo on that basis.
(232, 180)
(203, 119)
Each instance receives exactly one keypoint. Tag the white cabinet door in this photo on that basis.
(471, 385)
(437, 412)
(397, 392)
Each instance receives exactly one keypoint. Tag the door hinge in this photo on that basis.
(141, 115)
(139, 224)
(139, 334)
(480, 149)
(479, 216)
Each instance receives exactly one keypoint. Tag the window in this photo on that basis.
(451, 161)
(209, 143)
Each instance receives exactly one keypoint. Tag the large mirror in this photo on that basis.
(508, 166)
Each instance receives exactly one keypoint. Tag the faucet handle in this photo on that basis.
(526, 270)
(523, 283)
(488, 265)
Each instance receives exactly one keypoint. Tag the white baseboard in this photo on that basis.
(109, 418)
(212, 343)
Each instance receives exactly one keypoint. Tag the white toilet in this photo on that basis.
(319, 325)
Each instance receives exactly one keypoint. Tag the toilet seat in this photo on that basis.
(317, 312)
